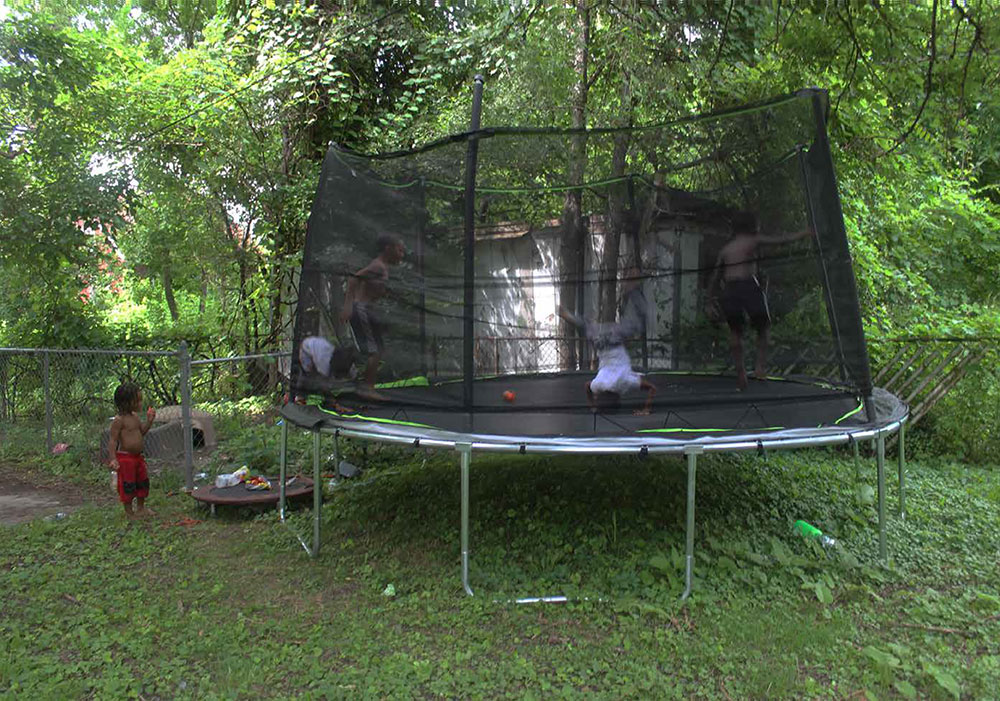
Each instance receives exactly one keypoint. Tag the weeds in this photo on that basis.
(230, 607)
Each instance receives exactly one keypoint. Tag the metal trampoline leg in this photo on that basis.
(857, 462)
(317, 496)
(692, 453)
(902, 470)
(465, 449)
(880, 463)
(317, 490)
(282, 468)
(336, 453)
(857, 470)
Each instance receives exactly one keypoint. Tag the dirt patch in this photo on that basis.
(22, 498)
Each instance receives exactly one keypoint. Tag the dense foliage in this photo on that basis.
(227, 607)
(159, 157)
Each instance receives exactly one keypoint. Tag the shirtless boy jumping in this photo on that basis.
(742, 293)
(364, 289)
(126, 448)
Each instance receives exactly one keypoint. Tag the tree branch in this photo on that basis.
(864, 57)
(596, 74)
(777, 23)
(722, 40)
(888, 24)
(849, 23)
(976, 41)
(927, 82)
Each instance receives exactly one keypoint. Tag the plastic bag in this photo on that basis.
(229, 480)
(232, 479)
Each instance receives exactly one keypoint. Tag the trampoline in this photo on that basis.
(688, 406)
(238, 495)
(537, 258)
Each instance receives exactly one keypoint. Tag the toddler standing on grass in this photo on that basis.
(126, 445)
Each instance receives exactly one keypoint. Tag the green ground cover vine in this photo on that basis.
(231, 607)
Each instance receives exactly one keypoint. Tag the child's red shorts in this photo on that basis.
(133, 480)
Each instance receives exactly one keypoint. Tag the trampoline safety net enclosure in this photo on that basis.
(479, 285)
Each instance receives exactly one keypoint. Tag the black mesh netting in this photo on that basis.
(618, 227)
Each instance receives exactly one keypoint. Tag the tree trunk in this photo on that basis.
(619, 212)
(168, 293)
(571, 249)
(202, 301)
(243, 301)
(285, 241)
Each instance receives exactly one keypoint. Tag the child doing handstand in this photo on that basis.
(127, 433)
(615, 375)
(327, 370)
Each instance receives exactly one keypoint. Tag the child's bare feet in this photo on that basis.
(741, 380)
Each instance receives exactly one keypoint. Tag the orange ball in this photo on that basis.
(508, 396)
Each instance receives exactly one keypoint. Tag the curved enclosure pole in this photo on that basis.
(829, 218)
(469, 329)
(422, 282)
(465, 450)
(818, 245)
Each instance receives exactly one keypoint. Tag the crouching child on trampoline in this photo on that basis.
(126, 446)
(327, 370)
(615, 375)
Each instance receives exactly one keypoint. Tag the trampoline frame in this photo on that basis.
(647, 444)
(466, 444)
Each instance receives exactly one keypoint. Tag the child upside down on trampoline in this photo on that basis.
(615, 375)
(326, 370)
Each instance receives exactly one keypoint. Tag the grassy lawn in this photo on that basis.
(231, 607)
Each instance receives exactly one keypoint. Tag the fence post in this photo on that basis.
(48, 401)
(187, 434)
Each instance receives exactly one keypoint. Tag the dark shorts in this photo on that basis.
(745, 297)
(133, 479)
(367, 329)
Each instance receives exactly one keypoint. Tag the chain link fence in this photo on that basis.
(54, 400)
(50, 396)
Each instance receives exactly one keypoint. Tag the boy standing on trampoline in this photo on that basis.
(742, 292)
(615, 375)
(364, 289)
(126, 446)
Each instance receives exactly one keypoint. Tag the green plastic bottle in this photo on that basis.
(810, 531)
